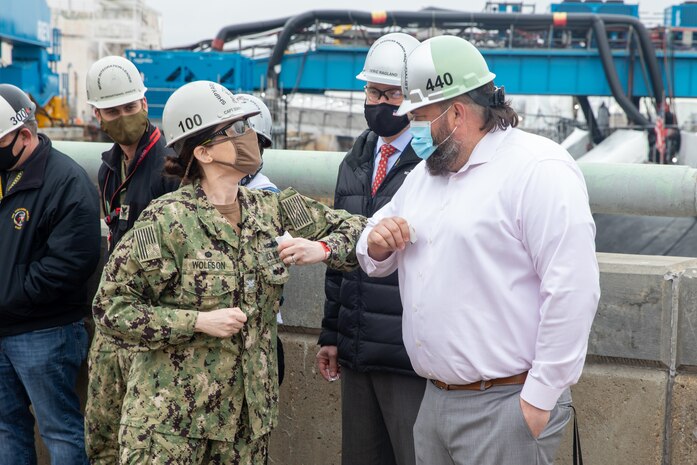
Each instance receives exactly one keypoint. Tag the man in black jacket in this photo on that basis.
(49, 241)
(362, 325)
(130, 177)
(131, 173)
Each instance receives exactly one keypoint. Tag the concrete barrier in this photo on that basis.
(636, 398)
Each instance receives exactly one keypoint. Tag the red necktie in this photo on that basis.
(386, 151)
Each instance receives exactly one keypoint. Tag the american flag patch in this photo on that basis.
(296, 210)
(147, 245)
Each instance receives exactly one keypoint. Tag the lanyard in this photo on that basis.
(154, 137)
(10, 185)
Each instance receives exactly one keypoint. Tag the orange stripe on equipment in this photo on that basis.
(379, 17)
(559, 19)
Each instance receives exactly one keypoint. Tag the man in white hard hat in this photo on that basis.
(130, 177)
(361, 338)
(494, 242)
(49, 243)
(131, 172)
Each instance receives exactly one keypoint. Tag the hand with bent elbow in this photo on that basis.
(388, 235)
(327, 363)
(535, 418)
(223, 322)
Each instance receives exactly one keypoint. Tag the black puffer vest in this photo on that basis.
(363, 315)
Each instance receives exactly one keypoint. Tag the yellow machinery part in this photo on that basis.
(55, 113)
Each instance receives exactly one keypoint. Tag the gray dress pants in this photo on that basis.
(484, 428)
(378, 411)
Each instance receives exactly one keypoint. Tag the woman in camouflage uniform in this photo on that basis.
(195, 288)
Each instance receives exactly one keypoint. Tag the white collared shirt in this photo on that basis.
(503, 276)
(400, 143)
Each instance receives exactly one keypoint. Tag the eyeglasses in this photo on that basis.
(234, 129)
(374, 94)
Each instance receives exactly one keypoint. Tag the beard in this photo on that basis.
(448, 151)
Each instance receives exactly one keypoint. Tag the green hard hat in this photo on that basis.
(441, 68)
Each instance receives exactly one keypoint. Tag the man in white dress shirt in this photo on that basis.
(494, 241)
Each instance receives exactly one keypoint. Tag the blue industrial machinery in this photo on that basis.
(165, 71)
(509, 7)
(523, 71)
(26, 25)
(684, 15)
(604, 8)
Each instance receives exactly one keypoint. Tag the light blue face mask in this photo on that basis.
(421, 138)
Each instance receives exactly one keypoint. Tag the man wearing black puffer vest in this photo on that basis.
(361, 334)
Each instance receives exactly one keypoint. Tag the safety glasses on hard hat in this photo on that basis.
(234, 129)
(374, 94)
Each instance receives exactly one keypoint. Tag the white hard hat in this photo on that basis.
(113, 81)
(199, 105)
(15, 108)
(262, 122)
(441, 68)
(386, 59)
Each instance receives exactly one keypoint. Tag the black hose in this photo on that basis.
(646, 48)
(613, 80)
(596, 135)
(202, 44)
(234, 31)
(454, 19)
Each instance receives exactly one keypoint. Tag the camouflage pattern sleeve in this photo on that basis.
(305, 217)
(128, 305)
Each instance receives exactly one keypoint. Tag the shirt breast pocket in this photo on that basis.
(208, 290)
(265, 295)
(275, 273)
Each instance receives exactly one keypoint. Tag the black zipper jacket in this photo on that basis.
(363, 315)
(146, 181)
(49, 243)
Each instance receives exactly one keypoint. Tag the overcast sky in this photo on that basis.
(180, 27)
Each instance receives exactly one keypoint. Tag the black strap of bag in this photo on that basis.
(577, 455)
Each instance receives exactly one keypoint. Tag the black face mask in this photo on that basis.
(7, 159)
(382, 121)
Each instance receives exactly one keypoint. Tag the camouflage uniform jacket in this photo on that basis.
(182, 257)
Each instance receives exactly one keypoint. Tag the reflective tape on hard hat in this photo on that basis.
(559, 19)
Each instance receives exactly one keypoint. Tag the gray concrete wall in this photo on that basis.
(636, 399)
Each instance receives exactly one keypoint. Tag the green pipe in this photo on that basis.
(311, 173)
(638, 189)
(616, 188)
